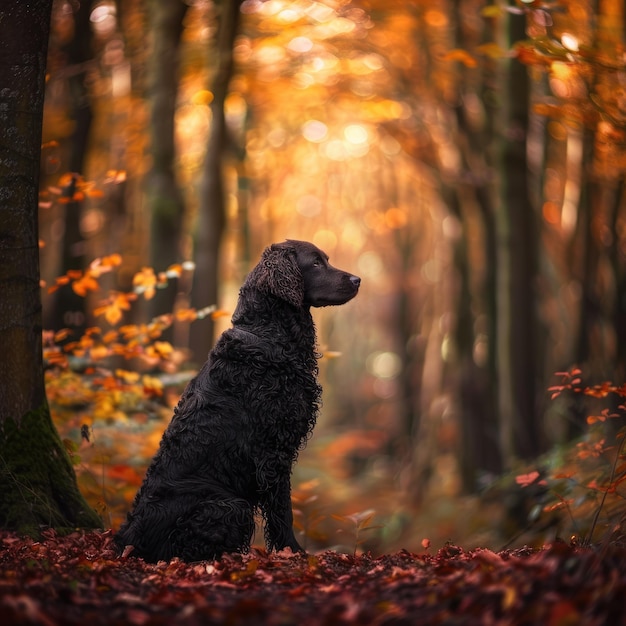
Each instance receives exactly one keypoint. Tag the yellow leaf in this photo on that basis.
(152, 386)
(492, 50)
(163, 348)
(127, 376)
(145, 282)
(491, 11)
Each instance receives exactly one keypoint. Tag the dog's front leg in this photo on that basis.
(276, 504)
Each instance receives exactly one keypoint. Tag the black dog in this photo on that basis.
(241, 421)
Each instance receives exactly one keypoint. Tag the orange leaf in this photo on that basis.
(592, 419)
(174, 270)
(110, 336)
(564, 475)
(219, 313)
(461, 55)
(186, 315)
(115, 176)
(112, 260)
(99, 352)
(85, 284)
(129, 331)
(125, 474)
(62, 334)
(54, 357)
(113, 312)
(145, 282)
(527, 479)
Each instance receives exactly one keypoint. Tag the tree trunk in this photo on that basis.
(212, 211)
(37, 482)
(66, 307)
(519, 432)
(164, 198)
(471, 201)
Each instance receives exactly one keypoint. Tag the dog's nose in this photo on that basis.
(355, 280)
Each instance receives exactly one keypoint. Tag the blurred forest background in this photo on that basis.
(465, 158)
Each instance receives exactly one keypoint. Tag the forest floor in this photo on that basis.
(77, 579)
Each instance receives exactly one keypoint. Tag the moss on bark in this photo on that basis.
(38, 486)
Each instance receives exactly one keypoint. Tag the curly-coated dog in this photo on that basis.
(241, 421)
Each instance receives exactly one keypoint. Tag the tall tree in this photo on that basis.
(37, 481)
(69, 309)
(165, 200)
(515, 250)
(211, 216)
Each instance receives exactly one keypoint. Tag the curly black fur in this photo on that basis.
(237, 430)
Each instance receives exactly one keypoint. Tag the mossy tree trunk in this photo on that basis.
(37, 482)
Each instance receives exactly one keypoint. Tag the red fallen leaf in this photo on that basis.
(489, 557)
(563, 612)
(137, 616)
(125, 473)
(128, 550)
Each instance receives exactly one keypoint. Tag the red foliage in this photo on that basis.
(78, 580)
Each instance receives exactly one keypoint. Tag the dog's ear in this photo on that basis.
(278, 273)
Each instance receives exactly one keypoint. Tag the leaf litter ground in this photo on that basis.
(78, 579)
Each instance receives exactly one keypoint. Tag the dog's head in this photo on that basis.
(299, 272)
